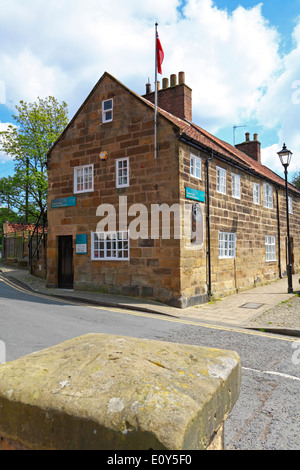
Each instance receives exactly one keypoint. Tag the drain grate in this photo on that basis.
(251, 305)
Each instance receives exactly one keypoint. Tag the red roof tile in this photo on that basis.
(204, 138)
(13, 227)
(200, 136)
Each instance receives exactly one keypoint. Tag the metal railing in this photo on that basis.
(38, 236)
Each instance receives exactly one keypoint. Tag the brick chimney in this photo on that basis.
(251, 147)
(175, 98)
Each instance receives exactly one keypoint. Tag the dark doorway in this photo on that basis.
(65, 262)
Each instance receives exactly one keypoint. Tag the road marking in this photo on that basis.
(147, 315)
(35, 294)
(280, 374)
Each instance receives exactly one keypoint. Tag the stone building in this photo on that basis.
(202, 218)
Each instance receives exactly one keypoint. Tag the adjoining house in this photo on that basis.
(24, 245)
(203, 218)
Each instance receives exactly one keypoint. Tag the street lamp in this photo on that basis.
(285, 156)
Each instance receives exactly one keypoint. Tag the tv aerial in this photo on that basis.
(234, 129)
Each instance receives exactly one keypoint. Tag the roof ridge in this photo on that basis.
(194, 132)
(254, 165)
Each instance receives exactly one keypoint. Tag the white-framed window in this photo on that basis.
(290, 205)
(256, 193)
(107, 110)
(221, 180)
(236, 186)
(195, 166)
(110, 246)
(268, 195)
(122, 172)
(270, 248)
(227, 245)
(83, 178)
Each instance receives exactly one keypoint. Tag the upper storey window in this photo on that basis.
(122, 172)
(107, 110)
(83, 179)
(221, 180)
(268, 195)
(236, 186)
(256, 193)
(195, 166)
(290, 205)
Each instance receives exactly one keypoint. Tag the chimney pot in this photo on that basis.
(173, 79)
(148, 88)
(165, 83)
(252, 149)
(174, 99)
(181, 78)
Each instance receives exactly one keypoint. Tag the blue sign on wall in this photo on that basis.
(63, 202)
(81, 244)
(195, 194)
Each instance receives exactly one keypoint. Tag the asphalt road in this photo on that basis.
(266, 416)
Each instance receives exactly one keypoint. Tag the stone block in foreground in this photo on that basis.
(110, 392)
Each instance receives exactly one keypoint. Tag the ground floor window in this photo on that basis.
(270, 248)
(227, 245)
(110, 245)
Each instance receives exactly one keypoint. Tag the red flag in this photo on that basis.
(160, 54)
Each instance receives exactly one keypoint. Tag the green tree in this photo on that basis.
(296, 180)
(37, 126)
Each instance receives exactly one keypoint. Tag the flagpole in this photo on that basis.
(155, 108)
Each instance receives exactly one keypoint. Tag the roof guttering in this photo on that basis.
(190, 141)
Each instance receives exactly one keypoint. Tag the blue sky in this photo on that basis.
(241, 58)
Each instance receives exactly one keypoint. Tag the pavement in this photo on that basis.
(268, 307)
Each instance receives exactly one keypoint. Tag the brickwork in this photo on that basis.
(172, 270)
(193, 258)
(250, 222)
(176, 99)
(153, 268)
(251, 147)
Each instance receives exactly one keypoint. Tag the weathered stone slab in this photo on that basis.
(112, 392)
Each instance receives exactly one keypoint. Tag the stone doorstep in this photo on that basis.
(111, 392)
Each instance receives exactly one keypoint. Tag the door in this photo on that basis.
(65, 262)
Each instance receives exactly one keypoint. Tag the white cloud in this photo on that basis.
(228, 59)
(270, 158)
(231, 60)
(280, 106)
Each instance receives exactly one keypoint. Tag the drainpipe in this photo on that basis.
(208, 253)
(278, 235)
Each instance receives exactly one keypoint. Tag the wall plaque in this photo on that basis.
(63, 202)
(194, 194)
(81, 244)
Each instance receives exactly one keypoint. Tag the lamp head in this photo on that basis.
(285, 156)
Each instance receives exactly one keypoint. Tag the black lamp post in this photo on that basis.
(285, 156)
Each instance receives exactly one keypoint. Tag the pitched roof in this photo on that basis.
(199, 136)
